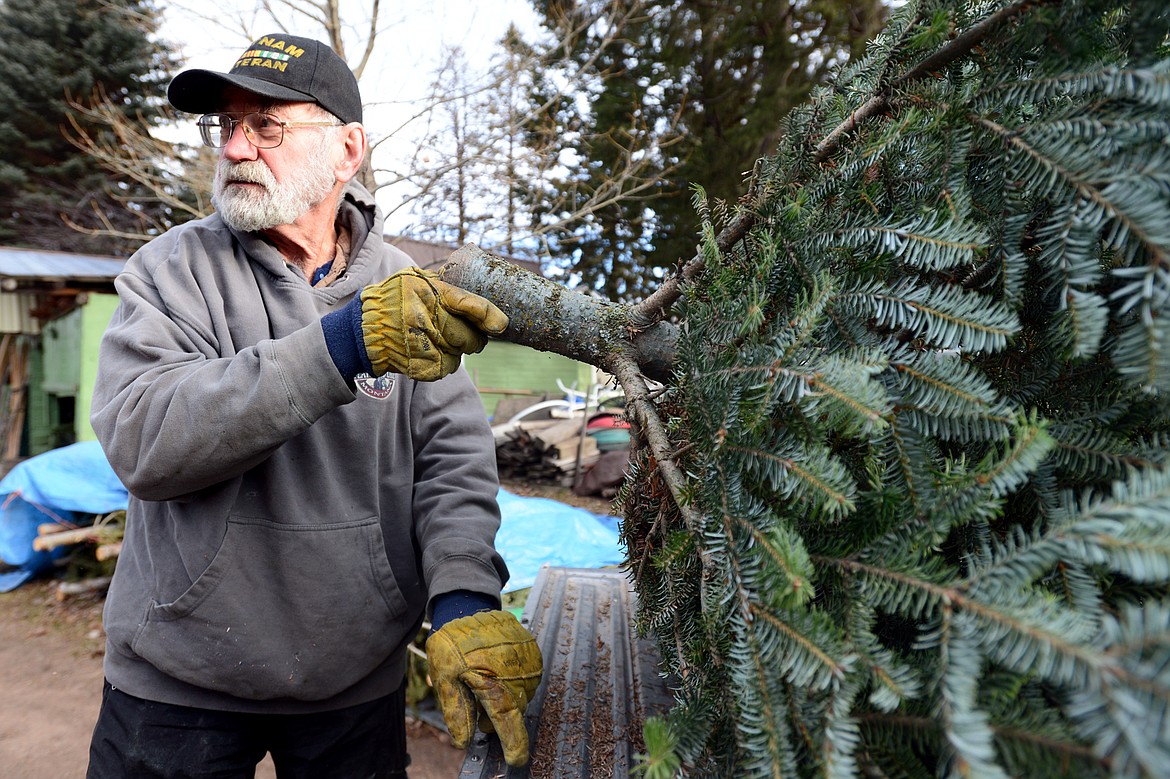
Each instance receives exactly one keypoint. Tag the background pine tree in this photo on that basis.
(921, 411)
(54, 53)
(706, 81)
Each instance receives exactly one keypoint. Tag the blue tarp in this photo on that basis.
(70, 485)
(539, 531)
(75, 482)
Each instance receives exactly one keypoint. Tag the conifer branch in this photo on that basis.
(831, 495)
(770, 719)
(834, 668)
(1070, 749)
(955, 598)
(736, 580)
(957, 47)
(795, 577)
(1083, 186)
(625, 369)
(967, 562)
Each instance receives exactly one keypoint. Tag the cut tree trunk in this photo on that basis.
(546, 316)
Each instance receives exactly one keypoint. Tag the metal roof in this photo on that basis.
(36, 265)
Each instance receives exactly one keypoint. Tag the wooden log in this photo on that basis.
(522, 429)
(15, 370)
(64, 538)
(567, 465)
(546, 451)
(572, 448)
(108, 551)
(534, 426)
(555, 435)
(96, 584)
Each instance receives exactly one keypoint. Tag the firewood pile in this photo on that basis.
(94, 549)
(546, 451)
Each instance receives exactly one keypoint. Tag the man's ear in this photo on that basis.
(353, 138)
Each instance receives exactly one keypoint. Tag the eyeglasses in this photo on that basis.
(264, 131)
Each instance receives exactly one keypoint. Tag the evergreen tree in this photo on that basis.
(908, 510)
(692, 92)
(55, 54)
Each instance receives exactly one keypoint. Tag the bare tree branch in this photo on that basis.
(642, 162)
(132, 154)
(156, 166)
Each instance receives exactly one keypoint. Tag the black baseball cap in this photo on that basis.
(282, 67)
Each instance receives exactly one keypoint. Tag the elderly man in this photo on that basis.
(311, 473)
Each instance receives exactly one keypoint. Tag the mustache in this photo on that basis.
(251, 172)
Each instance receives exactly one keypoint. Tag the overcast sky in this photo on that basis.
(412, 38)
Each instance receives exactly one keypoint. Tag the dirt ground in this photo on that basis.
(51, 679)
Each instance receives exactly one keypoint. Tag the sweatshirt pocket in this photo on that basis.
(282, 611)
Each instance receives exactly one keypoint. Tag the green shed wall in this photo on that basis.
(38, 418)
(53, 385)
(61, 346)
(64, 365)
(523, 371)
(95, 318)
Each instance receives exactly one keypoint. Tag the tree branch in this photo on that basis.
(624, 368)
(546, 316)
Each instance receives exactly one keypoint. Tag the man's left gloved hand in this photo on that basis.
(486, 664)
(412, 323)
(417, 324)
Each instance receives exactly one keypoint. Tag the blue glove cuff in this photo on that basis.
(346, 342)
(460, 603)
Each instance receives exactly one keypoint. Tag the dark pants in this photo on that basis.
(137, 739)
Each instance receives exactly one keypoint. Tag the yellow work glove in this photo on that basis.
(416, 324)
(486, 664)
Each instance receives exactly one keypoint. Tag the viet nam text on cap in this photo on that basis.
(281, 67)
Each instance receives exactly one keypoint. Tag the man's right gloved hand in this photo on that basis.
(412, 323)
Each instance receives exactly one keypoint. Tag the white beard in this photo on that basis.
(250, 209)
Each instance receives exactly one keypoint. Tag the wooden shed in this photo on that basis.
(54, 307)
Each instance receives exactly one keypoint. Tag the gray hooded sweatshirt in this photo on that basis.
(285, 532)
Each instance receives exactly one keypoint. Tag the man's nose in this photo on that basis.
(238, 147)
